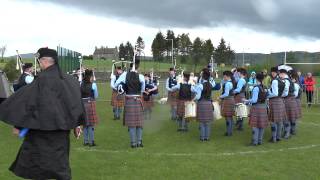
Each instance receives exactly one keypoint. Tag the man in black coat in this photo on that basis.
(49, 107)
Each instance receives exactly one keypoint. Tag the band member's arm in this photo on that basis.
(143, 83)
(254, 98)
(121, 79)
(197, 90)
(175, 88)
(112, 82)
(167, 85)
(95, 90)
(228, 87)
(240, 84)
(286, 88)
(29, 79)
(296, 90)
(274, 87)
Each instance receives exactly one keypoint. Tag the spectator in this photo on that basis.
(309, 82)
(267, 79)
(252, 81)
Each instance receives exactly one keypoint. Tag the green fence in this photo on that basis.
(68, 59)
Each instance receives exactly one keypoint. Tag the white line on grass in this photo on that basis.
(310, 123)
(81, 149)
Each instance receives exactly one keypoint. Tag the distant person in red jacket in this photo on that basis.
(309, 82)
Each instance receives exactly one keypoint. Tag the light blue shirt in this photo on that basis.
(228, 86)
(199, 88)
(95, 90)
(296, 90)
(112, 82)
(286, 87)
(242, 82)
(122, 79)
(255, 94)
(29, 79)
(252, 81)
(275, 90)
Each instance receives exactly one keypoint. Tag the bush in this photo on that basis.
(10, 70)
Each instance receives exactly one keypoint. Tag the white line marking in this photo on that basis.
(310, 123)
(81, 149)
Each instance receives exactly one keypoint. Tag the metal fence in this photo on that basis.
(68, 59)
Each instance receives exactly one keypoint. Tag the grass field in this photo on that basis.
(171, 155)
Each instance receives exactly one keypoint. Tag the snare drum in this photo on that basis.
(241, 110)
(190, 108)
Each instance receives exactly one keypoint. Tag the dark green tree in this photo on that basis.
(140, 45)
(129, 51)
(122, 51)
(10, 70)
(158, 47)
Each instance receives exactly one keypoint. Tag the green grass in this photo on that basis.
(171, 155)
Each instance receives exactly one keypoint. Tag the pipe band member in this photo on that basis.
(133, 108)
(258, 119)
(150, 90)
(117, 101)
(277, 110)
(240, 94)
(26, 77)
(204, 105)
(89, 94)
(298, 90)
(172, 96)
(228, 103)
(49, 107)
(290, 103)
(185, 93)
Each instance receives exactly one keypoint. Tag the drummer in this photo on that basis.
(185, 90)
(297, 93)
(240, 94)
(258, 120)
(227, 104)
(150, 89)
(172, 96)
(204, 105)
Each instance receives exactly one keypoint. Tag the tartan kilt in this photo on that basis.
(298, 100)
(277, 110)
(181, 108)
(117, 100)
(91, 113)
(239, 98)
(173, 98)
(133, 112)
(204, 111)
(227, 107)
(258, 116)
(148, 104)
(291, 108)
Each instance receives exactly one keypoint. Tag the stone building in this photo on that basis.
(106, 53)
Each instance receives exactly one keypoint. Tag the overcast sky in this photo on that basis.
(248, 25)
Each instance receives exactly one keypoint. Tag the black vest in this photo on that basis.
(206, 92)
(133, 85)
(224, 87)
(172, 82)
(86, 90)
(281, 86)
(291, 88)
(262, 96)
(185, 92)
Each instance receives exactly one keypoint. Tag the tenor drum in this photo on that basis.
(190, 109)
(241, 110)
(216, 110)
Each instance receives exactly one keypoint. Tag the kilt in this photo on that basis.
(133, 112)
(298, 100)
(258, 116)
(180, 108)
(277, 110)
(291, 108)
(117, 100)
(91, 113)
(227, 107)
(149, 103)
(173, 98)
(204, 111)
(239, 98)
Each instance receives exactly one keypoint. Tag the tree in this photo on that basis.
(3, 50)
(230, 55)
(158, 46)
(184, 44)
(129, 51)
(10, 70)
(221, 53)
(207, 49)
(171, 41)
(196, 53)
(122, 51)
(140, 45)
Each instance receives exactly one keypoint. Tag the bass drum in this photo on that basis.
(241, 110)
(190, 109)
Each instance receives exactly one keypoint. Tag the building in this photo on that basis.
(106, 53)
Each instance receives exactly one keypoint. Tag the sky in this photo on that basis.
(262, 26)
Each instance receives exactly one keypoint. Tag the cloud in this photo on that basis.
(284, 17)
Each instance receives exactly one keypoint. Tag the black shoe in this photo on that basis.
(278, 140)
(140, 145)
(259, 143)
(226, 134)
(86, 144)
(133, 146)
(252, 144)
(92, 144)
(206, 140)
